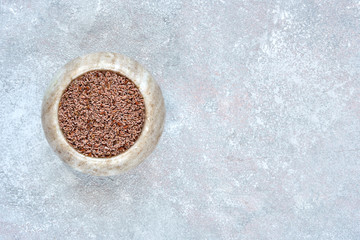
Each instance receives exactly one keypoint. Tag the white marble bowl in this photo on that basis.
(154, 107)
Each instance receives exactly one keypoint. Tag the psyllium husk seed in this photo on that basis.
(101, 114)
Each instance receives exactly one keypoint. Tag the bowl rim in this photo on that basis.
(154, 113)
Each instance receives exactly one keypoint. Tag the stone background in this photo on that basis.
(262, 135)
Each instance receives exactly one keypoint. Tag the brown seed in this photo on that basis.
(101, 122)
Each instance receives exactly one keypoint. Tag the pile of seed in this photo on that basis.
(101, 114)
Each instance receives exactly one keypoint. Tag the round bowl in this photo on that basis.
(154, 113)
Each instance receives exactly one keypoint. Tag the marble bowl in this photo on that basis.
(154, 120)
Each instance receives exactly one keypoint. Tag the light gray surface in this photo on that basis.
(262, 135)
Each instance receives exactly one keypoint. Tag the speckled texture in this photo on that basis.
(154, 119)
(262, 134)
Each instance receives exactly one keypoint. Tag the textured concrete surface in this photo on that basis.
(262, 135)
